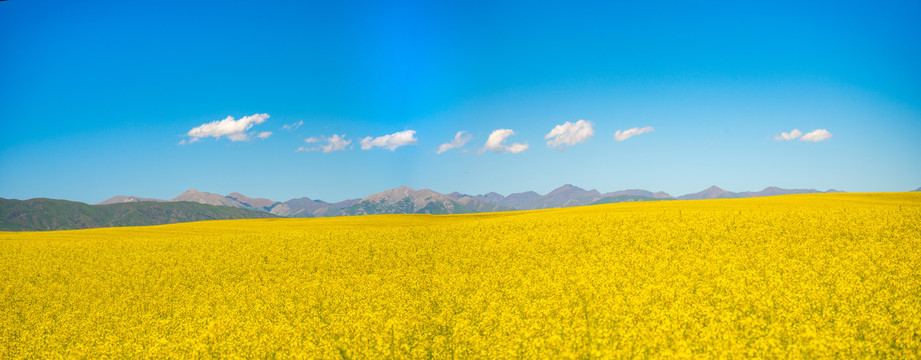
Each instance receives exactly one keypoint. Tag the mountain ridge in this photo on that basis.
(405, 200)
(563, 196)
(119, 199)
(715, 192)
(50, 214)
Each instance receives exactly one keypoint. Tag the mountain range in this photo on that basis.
(405, 200)
(300, 207)
(194, 205)
(714, 192)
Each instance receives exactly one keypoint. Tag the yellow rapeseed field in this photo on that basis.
(801, 276)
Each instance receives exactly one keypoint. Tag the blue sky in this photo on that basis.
(96, 96)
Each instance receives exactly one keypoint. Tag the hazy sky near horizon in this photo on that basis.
(103, 98)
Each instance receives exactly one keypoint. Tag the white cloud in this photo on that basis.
(496, 142)
(516, 148)
(190, 141)
(622, 135)
(786, 136)
(235, 130)
(816, 136)
(264, 134)
(336, 143)
(569, 134)
(459, 140)
(292, 127)
(390, 142)
(333, 143)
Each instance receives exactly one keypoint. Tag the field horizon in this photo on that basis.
(488, 213)
(50, 214)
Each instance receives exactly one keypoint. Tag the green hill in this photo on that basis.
(50, 214)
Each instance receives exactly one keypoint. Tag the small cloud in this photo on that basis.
(622, 135)
(190, 141)
(333, 143)
(496, 142)
(390, 142)
(235, 130)
(786, 136)
(569, 134)
(336, 143)
(238, 137)
(459, 140)
(816, 136)
(292, 127)
(264, 135)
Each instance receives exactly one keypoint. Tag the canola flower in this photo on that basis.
(801, 276)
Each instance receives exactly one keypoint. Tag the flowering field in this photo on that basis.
(818, 276)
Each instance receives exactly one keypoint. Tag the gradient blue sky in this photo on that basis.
(95, 96)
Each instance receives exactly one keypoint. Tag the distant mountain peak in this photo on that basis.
(564, 188)
(190, 192)
(193, 195)
(405, 200)
(397, 191)
(570, 188)
(119, 199)
(566, 195)
(713, 192)
(639, 192)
